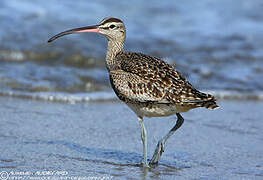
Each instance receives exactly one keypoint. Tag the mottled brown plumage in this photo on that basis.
(138, 78)
(148, 85)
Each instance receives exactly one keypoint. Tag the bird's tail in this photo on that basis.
(210, 104)
(202, 100)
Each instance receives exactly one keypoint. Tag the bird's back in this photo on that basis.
(143, 79)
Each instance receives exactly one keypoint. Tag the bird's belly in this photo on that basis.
(153, 110)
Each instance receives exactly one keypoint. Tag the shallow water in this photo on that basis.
(216, 44)
(102, 139)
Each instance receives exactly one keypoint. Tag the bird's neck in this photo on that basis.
(114, 47)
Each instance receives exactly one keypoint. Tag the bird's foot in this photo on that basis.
(145, 164)
(157, 154)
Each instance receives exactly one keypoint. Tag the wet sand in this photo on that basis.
(102, 139)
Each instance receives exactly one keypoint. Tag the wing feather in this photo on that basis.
(134, 88)
(145, 78)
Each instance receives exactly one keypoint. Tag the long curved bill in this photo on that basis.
(94, 28)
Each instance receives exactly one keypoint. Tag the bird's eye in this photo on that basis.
(112, 26)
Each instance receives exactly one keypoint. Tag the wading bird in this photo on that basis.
(148, 85)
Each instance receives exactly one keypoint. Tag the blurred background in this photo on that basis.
(217, 44)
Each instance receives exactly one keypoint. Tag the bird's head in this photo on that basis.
(112, 28)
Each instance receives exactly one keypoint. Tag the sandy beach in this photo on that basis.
(102, 139)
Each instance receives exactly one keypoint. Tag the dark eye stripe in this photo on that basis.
(104, 27)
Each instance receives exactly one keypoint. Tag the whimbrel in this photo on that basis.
(148, 85)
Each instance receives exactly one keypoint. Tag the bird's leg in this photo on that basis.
(160, 146)
(144, 142)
